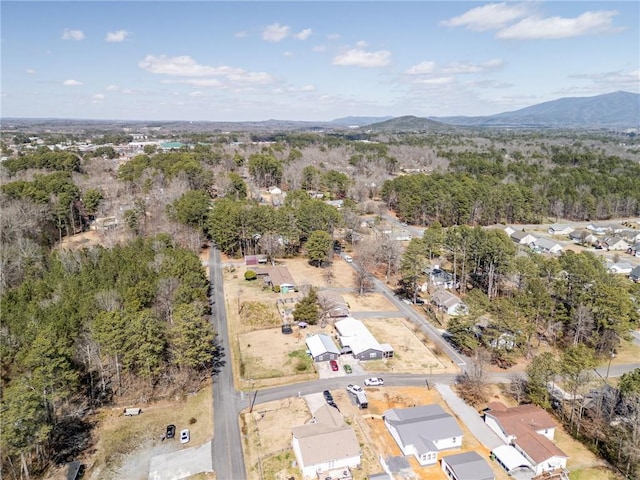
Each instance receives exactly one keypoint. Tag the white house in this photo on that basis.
(467, 466)
(449, 303)
(530, 430)
(523, 238)
(322, 348)
(547, 246)
(583, 237)
(423, 431)
(560, 229)
(621, 267)
(326, 444)
(615, 243)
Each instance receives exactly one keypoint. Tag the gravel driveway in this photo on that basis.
(181, 463)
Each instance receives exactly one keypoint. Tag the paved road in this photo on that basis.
(226, 447)
(470, 417)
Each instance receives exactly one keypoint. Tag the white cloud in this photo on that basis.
(304, 34)
(241, 34)
(558, 27)
(361, 44)
(275, 32)
(608, 81)
(488, 17)
(117, 36)
(421, 68)
(456, 68)
(435, 81)
(112, 88)
(333, 36)
(197, 93)
(319, 48)
(185, 66)
(361, 58)
(69, 34)
(98, 96)
(71, 83)
(199, 82)
(30, 71)
(287, 54)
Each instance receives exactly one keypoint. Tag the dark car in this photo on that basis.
(327, 396)
(171, 431)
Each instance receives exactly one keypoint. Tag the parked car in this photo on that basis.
(348, 258)
(185, 436)
(347, 368)
(334, 365)
(327, 396)
(418, 301)
(374, 382)
(351, 388)
(333, 404)
(171, 431)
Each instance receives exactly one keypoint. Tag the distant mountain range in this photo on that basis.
(611, 110)
(618, 109)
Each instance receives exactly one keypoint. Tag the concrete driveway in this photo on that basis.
(470, 417)
(181, 463)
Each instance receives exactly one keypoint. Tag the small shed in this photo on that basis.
(467, 466)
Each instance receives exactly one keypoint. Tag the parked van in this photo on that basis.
(130, 412)
(361, 400)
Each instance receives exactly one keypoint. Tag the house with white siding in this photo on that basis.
(356, 337)
(327, 443)
(423, 431)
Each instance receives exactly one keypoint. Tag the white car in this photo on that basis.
(348, 258)
(184, 436)
(374, 382)
(355, 389)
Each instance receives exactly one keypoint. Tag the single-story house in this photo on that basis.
(277, 277)
(523, 238)
(440, 278)
(512, 461)
(322, 348)
(631, 236)
(467, 466)
(423, 431)
(621, 267)
(560, 229)
(356, 337)
(547, 246)
(448, 302)
(614, 243)
(530, 430)
(634, 275)
(583, 236)
(333, 304)
(326, 444)
(401, 235)
(600, 227)
(508, 230)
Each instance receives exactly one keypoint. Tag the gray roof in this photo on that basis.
(421, 426)
(635, 273)
(546, 243)
(469, 466)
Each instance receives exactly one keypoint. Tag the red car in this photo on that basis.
(334, 365)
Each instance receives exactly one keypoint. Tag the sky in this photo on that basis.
(306, 60)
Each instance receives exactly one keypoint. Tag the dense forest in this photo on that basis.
(93, 326)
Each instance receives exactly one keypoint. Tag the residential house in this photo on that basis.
(544, 245)
(530, 430)
(523, 238)
(448, 303)
(584, 237)
(326, 444)
(508, 230)
(423, 431)
(253, 260)
(621, 267)
(355, 337)
(634, 275)
(440, 278)
(277, 277)
(467, 466)
(631, 236)
(332, 304)
(322, 348)
(614, 243)
(560, 229)
(600, 228)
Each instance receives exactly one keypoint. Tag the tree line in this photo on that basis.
(91, 327)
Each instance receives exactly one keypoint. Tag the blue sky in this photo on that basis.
(304, 60)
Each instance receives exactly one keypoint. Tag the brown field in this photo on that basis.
(371, 302)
